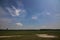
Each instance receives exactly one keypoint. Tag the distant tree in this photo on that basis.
(7, 29)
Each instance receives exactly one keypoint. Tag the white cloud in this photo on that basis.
(23, 11)
(10, 11)
(13, 7)
(48, 13)
(34, 17)
(19, 24)
(15, 11)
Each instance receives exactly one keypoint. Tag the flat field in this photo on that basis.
(28, 35)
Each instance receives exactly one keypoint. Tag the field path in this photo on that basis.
(11, 36)
(46, 36)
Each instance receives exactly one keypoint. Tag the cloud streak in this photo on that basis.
(15, 12)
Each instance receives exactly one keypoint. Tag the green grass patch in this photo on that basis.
(29, 35)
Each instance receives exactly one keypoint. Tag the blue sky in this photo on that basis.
(30, 14)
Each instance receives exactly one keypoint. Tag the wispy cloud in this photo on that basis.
(34, 17)
(10, 11)
(48, 13)
(15, 12)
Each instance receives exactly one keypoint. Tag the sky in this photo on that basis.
(30, 14)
